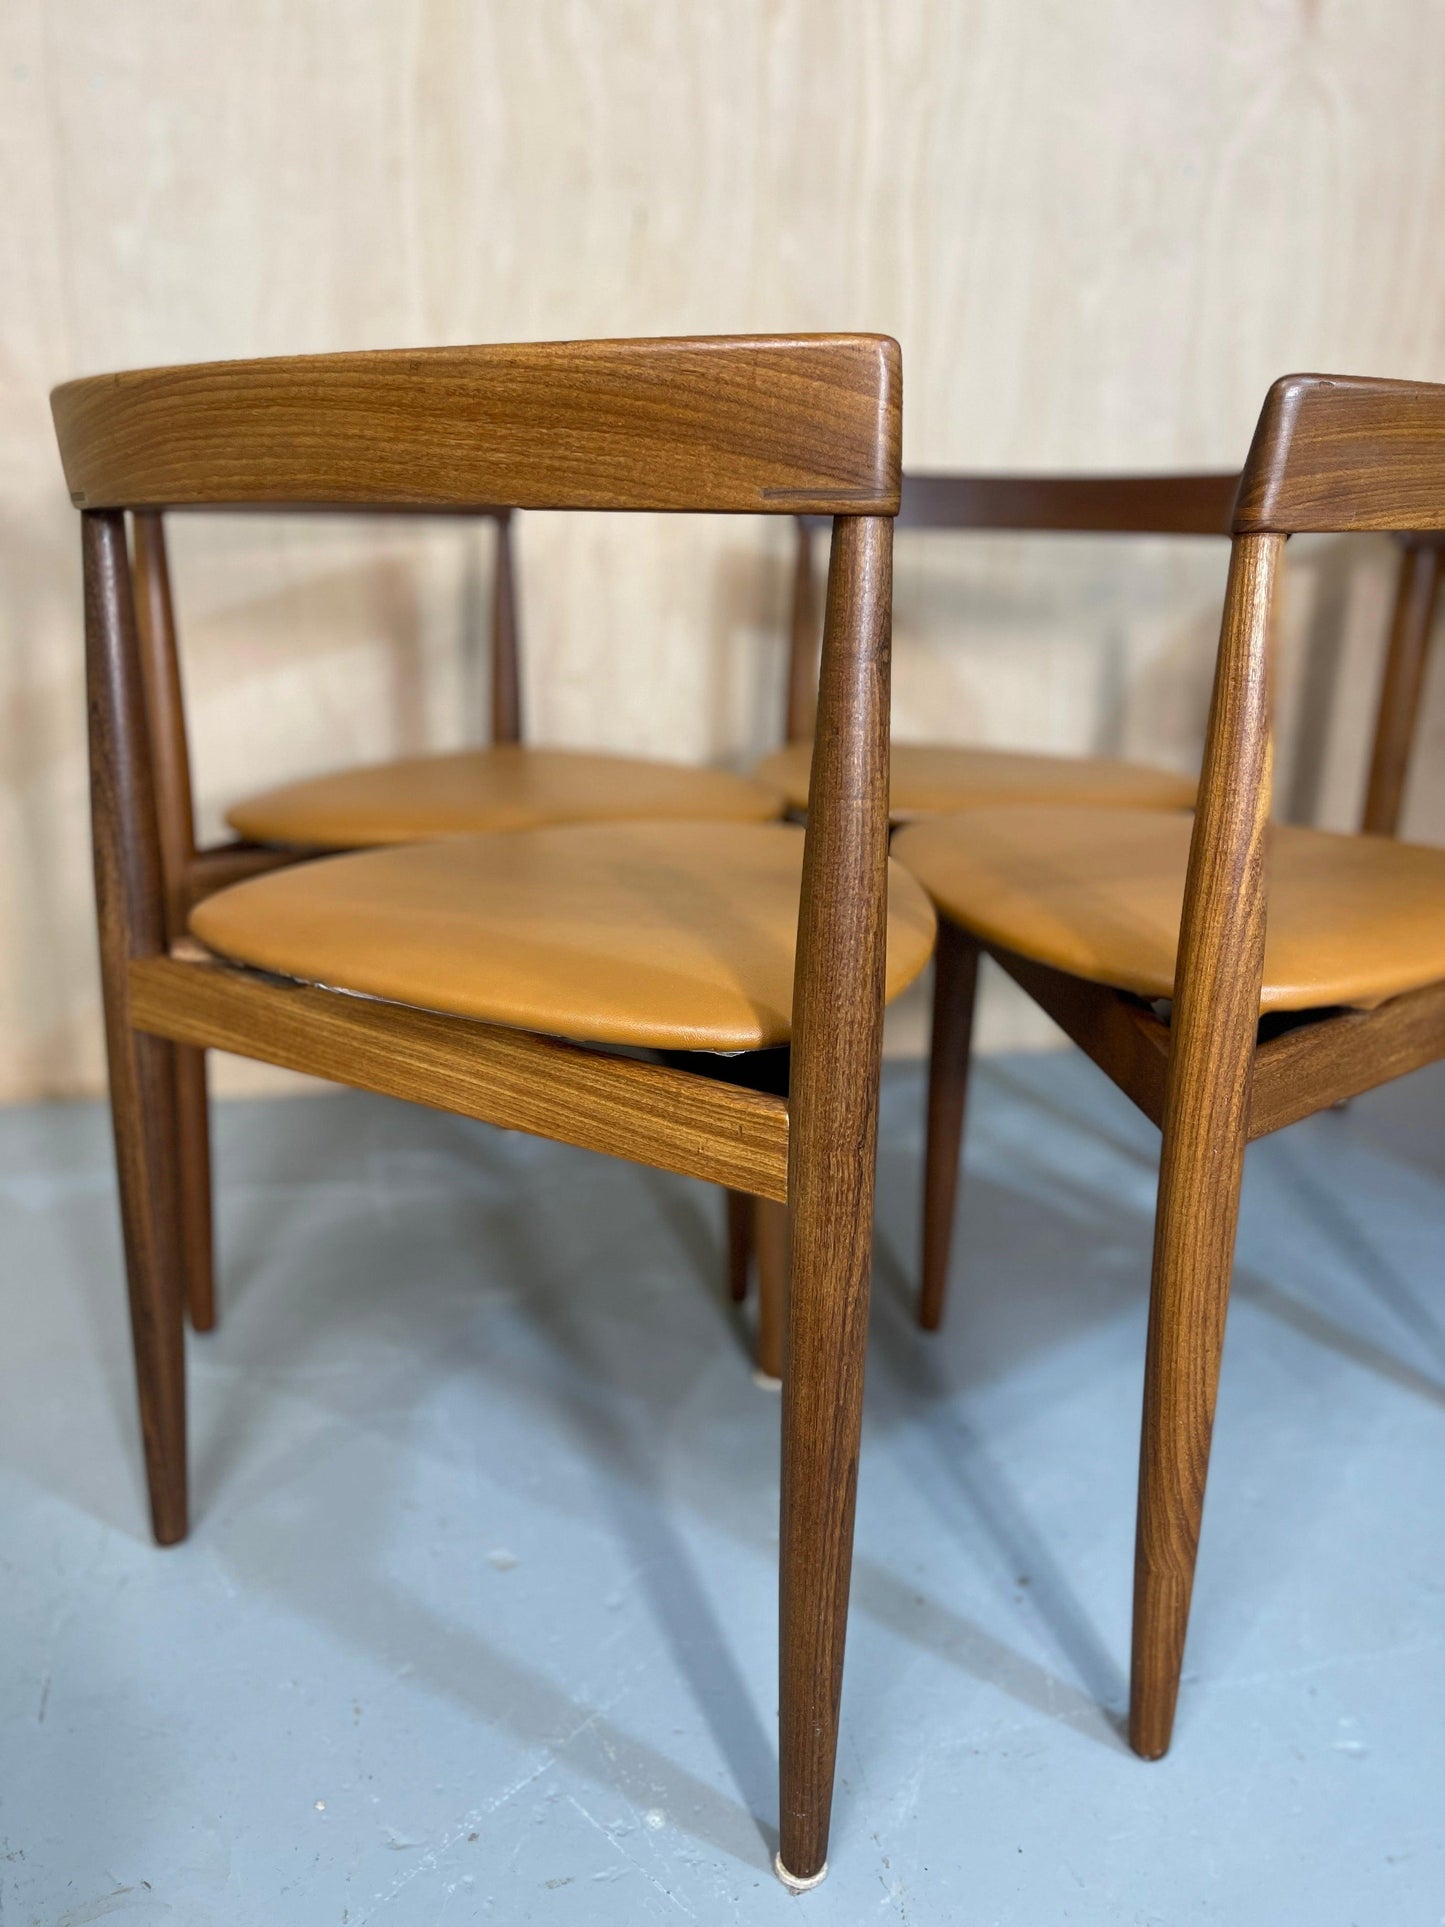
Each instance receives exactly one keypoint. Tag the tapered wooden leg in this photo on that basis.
(130, 915)
(832, 1152)
(740, 1244)
(954, 983)
(771, 1230)
(824, 1346)
(193, 1123)
(1212, 1046)
(143, 1111)
(1193, 1260)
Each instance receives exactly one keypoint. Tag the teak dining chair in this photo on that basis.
(490, 975)
(1231, 977)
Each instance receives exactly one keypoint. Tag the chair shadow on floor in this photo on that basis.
(919, 1393)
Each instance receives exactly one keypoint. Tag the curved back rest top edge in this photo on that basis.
(767, 424)
(1167, 503)
(1337, 453)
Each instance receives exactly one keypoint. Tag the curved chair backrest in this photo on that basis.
(728, 425)
(1337, 453)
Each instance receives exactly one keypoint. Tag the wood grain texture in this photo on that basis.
(1123, 1036)
(1398, 715)
(616, 1105)
(837, 1041)
(761, 425)
(1339, 452)
(1307, 1069)
(1206, 1115)
(1239, 191)
(130, 911)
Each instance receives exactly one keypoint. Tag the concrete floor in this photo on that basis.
(477, 1619)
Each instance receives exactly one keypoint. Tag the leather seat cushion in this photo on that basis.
(675, 935)
(509, 787)
(1352, 919)
(935, 779)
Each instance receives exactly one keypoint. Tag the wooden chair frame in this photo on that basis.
(760, 425)
(1330, 455)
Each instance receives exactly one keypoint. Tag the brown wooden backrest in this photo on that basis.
(1334, 453)
(740, 425)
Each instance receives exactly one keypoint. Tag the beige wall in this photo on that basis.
(1097, 230)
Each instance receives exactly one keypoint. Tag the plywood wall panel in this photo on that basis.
(1098, 231)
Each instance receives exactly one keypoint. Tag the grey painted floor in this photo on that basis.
(476, 1621)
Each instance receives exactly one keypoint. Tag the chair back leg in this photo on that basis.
(955, 979)
(193, 1124)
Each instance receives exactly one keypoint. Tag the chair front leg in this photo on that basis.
(1199, 1183)
(143, 1114)
(955, 981)
(1213, 1039)
(824, 1347)
(832, 1153)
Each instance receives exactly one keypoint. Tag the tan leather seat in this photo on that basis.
(676, 935)
(1352, 919)
(509, 787)
(935, 779)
